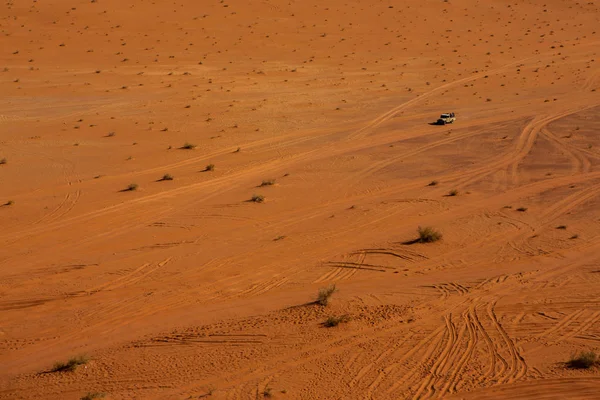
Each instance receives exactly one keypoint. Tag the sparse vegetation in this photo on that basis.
(9, 203)
(210, 167)
(584, 360)
(332, 321)
(428, 235)
(131, 187)
(433, 183)
(167, 177)
(188, 146)
(3, 161)
(94, 395)
(258, 198)
(453, 193)
(575, 236)
(70, 365)
(268, 182)
(267, 393)
(561, 227)
(325, 294)
(522, 209)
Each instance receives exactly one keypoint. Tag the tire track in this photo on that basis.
(391, 113)
(517, 366)
(581, 164)
(131, 278)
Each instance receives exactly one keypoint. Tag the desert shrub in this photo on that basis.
(258, 198)
(584, 360)
(93, 395)
(428, 235)
(188, 146)
(210, 167)
(453, 193)
(70, 365)
(9, 203)
(561, 227)
(325, 293)
(332, 321)
(3, 161)
(131, 187)
(167, 177)
(522, 209)
(433, 183)
(268, 182)
(267, 393)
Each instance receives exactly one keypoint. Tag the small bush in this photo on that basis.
(268, 182)
(522, 209)
(94, 395)
(267, 393)
(332, 321)
(9, 203)
(131, 187)
(428, 235)
(584, 360)
(3, 161)
(561, 227)
(188, 146)
(433, 183)
(575, 236)
(167, 177)
(453, 193)
(210, 167)
(258, 198)
(70, 365)
(325, 293)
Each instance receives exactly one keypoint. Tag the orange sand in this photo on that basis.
(183, 288)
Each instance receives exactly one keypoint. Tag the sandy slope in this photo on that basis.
(185, 289)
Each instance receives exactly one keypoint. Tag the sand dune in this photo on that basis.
(179, 179)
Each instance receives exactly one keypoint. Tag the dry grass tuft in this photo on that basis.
(325, 293)
(428, 235)
(584, 360)
(70, 365)
(332, 321)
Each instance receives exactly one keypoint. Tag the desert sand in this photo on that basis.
(186, 288)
